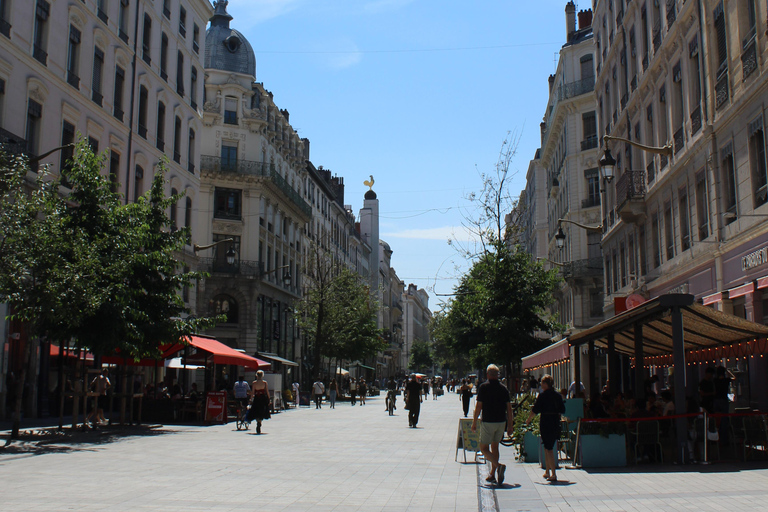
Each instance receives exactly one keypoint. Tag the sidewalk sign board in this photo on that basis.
(466, 439)
(216, 407)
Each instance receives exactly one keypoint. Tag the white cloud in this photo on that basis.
(456, 233)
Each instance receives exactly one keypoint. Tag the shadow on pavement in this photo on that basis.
(715, 467)
(46, 441)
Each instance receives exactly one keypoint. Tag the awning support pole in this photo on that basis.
(577, 368)
(678, 353)
(639, 362)
(613, 374)
(592, 380)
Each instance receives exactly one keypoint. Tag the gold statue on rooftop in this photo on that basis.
(369, 183)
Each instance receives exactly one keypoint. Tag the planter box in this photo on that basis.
(531, 447)
(603, 452)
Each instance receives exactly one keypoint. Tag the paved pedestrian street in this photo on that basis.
(347, 459)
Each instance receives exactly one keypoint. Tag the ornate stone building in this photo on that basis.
(127, 75)
(255, 192)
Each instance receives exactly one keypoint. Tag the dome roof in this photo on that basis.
(227, 49)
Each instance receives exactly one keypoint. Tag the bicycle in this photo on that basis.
(391, 402)
(242, 413)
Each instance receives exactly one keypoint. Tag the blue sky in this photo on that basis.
(418, 93)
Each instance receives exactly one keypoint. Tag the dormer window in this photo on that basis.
(232, 43)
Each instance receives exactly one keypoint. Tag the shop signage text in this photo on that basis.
(754, 259)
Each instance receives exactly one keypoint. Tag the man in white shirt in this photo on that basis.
(318, 388)
(242, 391)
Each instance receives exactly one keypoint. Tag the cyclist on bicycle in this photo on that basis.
(391, 389)
(242, 391)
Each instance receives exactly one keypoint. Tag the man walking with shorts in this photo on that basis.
(493, 401)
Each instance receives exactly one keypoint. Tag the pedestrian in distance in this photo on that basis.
(259, 410)
(318, 389)
(100, 385)
(352, 390)
(465, 393)
(362, 390)
(493, 402)
(413, 400)
(296, 389)
(242, 392)
(549, 404)
(333, 387)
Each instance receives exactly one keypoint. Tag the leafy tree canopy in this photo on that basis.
(421, 355)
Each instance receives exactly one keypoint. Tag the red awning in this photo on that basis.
(553, 353)
(222, 354)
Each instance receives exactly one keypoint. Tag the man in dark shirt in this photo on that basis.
(413, 400)
(493, 401)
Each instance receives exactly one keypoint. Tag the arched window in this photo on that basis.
(225, 305)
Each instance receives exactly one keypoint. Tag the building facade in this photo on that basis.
(690, 74)
(254, 199)
(416, 317)
(101, 69)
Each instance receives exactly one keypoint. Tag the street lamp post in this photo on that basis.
(231, 255)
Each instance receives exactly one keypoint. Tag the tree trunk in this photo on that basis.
(20, 383)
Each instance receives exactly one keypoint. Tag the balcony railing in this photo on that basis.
(190, 168)
(177, 157)
(679, 140)
(12, 143)
(749, 58)
(97, 97)
(40, 55)
(160, 144)
(590, 267)
(589, 143)
(631, 185)
(650, 172)
(696, 120)
(590, 202)
(721, 90)
(5, 28)
(142, 131)
(671, 14)
(73, 79)
(577, 88)
(259, 169)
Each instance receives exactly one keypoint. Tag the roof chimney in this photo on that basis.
(570, 19)
(551, 82)
(585, 19)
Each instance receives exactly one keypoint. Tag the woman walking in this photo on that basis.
(466, 395)
(259, 410)
(362, 390)
(332, 396)
(550, 405)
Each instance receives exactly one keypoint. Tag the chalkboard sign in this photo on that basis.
(466, 439)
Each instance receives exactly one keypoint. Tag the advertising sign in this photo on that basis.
(216, 407)
(466, 439)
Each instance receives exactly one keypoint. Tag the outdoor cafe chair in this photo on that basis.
(755, 435)
(648, 435)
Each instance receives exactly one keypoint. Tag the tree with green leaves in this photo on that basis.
(503, 300)
(337, 312)
(79, 265)
(421, 355)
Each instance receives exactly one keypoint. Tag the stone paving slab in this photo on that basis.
(346, 459)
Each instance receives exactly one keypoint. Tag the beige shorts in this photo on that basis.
(493, 432)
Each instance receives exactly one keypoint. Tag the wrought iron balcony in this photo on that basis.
(258, 169)
(12, 143)
(630, 196)
(696, 120)
(749, 58)
(589, 143)
(679, 139)
(721, 89)
(73, 79)
(5, 28)
(671, 14)
(160, 144)
(142, 131)
(590, 267)
(577, 88)
(240, 267)
(40, 55)
(176, 157)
